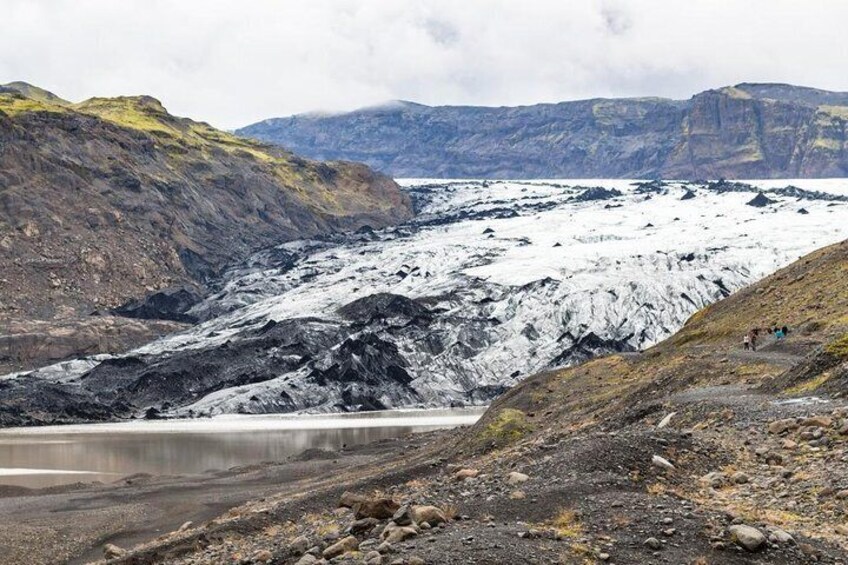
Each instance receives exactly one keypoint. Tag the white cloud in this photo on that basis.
(232, 63)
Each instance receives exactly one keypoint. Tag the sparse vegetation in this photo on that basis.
(567, 523)
(509, 426)
(838, 347)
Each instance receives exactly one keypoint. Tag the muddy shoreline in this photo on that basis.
(71, 524)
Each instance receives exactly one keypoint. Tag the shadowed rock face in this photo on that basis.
(746, 131)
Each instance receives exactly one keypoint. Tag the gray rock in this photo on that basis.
(373, 558)
(747, 537)
(653, 543)
(778, 536)
(341, 547)
(662, 463)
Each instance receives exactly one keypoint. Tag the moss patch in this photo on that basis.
(808, 385)
(509, 426)
(838, 347)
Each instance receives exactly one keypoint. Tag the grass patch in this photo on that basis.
(567, 524)
(838, 347)
(509, 426)
(808, 385)
(15, 104)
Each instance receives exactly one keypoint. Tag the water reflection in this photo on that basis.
(37, 457)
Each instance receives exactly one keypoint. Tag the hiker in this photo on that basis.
(778, 333)
(754, 334)
(746, 341)
(785, 331)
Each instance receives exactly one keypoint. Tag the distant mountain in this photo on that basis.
(114, 198)
(744, 131)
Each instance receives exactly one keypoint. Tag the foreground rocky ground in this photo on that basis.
(722, 481)
(694, 451)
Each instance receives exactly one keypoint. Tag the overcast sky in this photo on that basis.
(235, 62)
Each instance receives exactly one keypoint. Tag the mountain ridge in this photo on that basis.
(750, 130)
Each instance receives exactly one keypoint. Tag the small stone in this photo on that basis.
(666, 421)
(653, 543)
(747, 537)
(384, 547)
(517, 495)
(307, 559)
(262, 556)
(373, 558)
(415, 560)
(516, 478)
(778, 536)
(463, 474)
(341, 547)
(402, 517)
(111, 551)
(604, 556)
(299, 545)
(186, 526)
(363, 526)
(349, 499)
(820, 421)
(714, 479)
(842, 494)
(662, 463)
(739, 478)
(789, 445)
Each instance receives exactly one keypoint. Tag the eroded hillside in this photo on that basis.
(114, 198)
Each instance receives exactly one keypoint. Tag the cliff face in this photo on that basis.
(746, 131)
(111, 199)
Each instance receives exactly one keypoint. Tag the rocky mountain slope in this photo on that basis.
(114, 198)
(489, 283)
(744, 131)
(693, 451)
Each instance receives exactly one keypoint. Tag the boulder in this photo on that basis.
(428, 514)
(307, 560)
(349, 499)
(396, 534)
(782, 426)
(344, 545)
(381, 508)
(363, 526)
(747, 537)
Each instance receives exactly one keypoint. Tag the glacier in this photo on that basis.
(492, 281)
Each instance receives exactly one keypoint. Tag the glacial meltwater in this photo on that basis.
(57, 455)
